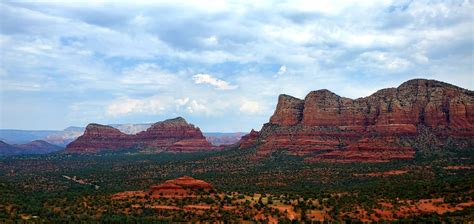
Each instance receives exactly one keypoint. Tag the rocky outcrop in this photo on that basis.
(190, 183)
(99, 137)
(181, 187)
(167, 190)
(170, 135)
(70, 134)
(370, 129)
(174, 135)
(289, 111)
(249, 139)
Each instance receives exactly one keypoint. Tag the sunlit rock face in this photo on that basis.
(180, 187)
(169, 135)
(368, 129)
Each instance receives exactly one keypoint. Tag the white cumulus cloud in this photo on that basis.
(208, 79)
(196, 107)
(251, 107)
(281, 71)
(151, 105)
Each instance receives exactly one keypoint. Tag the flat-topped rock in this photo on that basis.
(189, 182)
(181, 187)
(340, 126)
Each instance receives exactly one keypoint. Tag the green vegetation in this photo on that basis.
(34, 186)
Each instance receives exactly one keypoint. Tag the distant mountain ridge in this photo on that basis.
(16, 136)
(69, 134)
(60, 137)
(220, 138)
(34, 147)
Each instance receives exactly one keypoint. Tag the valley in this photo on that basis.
(401, 154)
(236, 111)
(428, 189)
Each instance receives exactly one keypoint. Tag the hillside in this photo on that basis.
(34, 147)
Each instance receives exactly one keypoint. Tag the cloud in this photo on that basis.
(145, 61)
(383, 60)
(281, 71)
(124, 106)
(251, 107)
(148, 75)
(195, 107)
(152, 105)
(211, 41)
(217, 83)
(182, 102)
(162, 104)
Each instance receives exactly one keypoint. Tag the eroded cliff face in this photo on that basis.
(289, 111)
(170, 135)
(368, 129)
(175, 135)
(249, 139)
(99, 137)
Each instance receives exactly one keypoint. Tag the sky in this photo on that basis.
(220, 65)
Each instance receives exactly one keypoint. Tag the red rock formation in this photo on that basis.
(174, 135)
(368, 150)
(98, 137)
(289, 111)
(249, 139)
(178, 188)
(366, 129)
(191, 183)
(170, 135)
(181, 187)
(168, 190)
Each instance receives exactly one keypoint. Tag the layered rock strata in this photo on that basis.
(181, 187)
(170, 135)
(368, 129)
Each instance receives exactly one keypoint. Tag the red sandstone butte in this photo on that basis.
(368, 129)
(180, 187)
(170, 135)
(191, 183)
(177, 188)
(167, 190)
